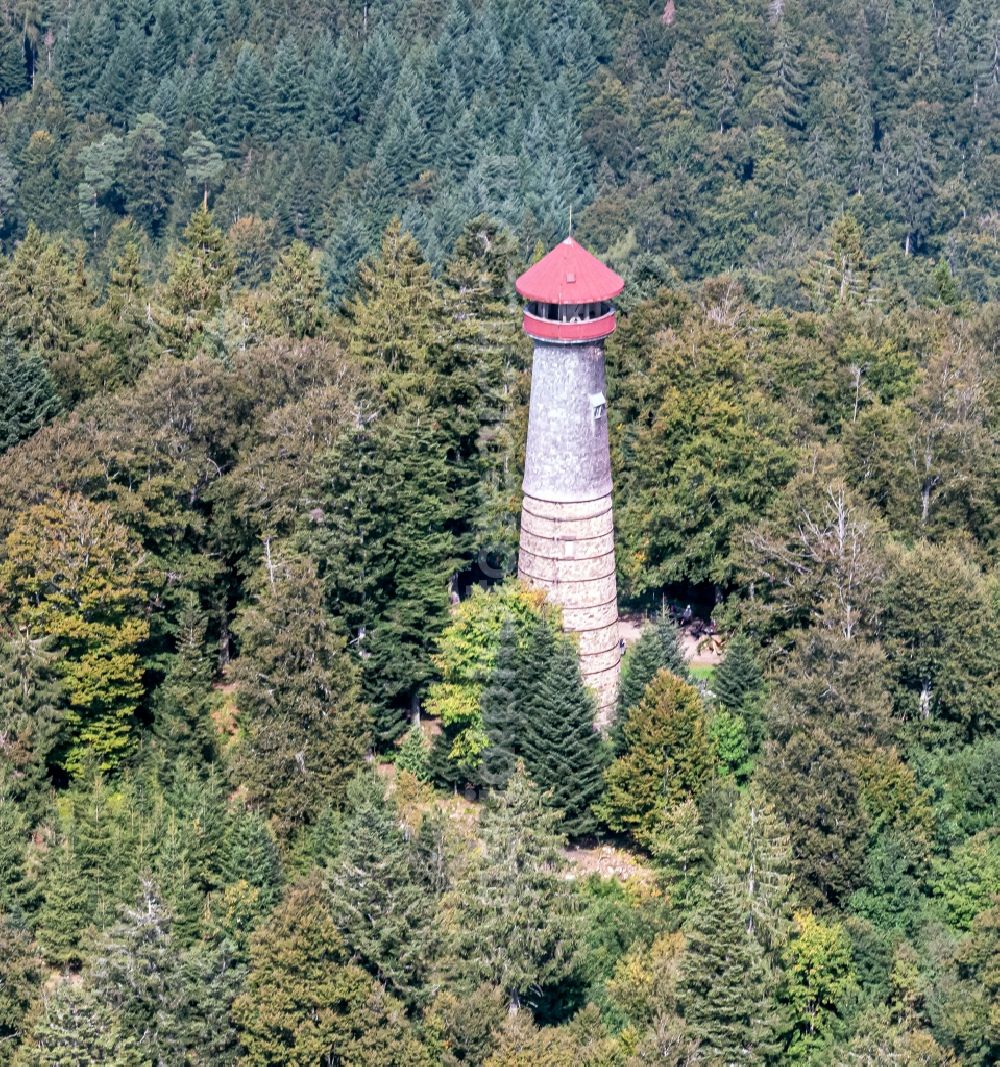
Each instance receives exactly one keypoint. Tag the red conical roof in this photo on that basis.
(569, 274)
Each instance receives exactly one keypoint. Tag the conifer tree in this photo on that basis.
(31, 709)
(305, 729)
(200, 272)
(203, 164)
(517, 931)
(145, 175)
(562, 750)
(376, 902)
(173, 1003)
(666, 758)
(303, 1002)
(288, 1009)
(727, 990)
(197, 797)
(658, 648)
(21, 973)
(287, 89)
(412, 755)
(389, 554)
(136, 973)
(298, 303)
(502, 716)
(755, 850)
(737, 676)
(177, 882)
(111, 841)
(75, 1026)
(251, 855)
(678, 848)
(28, 396)
(66, 907)
(737, 685)
(122, 326)
(826, 819)
(183, 702)
(18, 892)
(488, 348)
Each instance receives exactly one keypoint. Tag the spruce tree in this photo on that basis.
(658, 648)
(517, 930)
(502, 716)
(738, 676)
(145, 175)
(67, 907)
(18, 892)
(76, 1026)
(679, 852)
(200, 272)
(738, 685)
(21, 974)
(755, 849)
(28, 397)
(183, 702)
(389, 552)
(251, 855)
(305, 730)
(288, 1009)
(31, 709)
(727, 990)
(298, 302)
(562, 751)
(173, 1003)
(378, 905)
(303, 1003)
(136, 972)
(666, 758)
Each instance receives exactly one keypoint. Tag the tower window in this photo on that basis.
(598, 406)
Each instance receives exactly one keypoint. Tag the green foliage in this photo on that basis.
(738, 686)
(468, 653)
(250, 855)
(518, 930)
(535, 707)
(967, 881)
(413, 755)
(221, 448)
(305, 729)
(658, 648)
(183, 703)
(71, 573)
(940, 626)
(75, 1026)
(727, 989)
(21, 973)
(303, 1002)
(728, 734)
(377, 904)
(666, 758)
(28, 394)
(820, 984)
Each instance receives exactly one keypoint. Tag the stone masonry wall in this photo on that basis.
(567, 549)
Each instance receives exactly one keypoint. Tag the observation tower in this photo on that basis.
(567, 526)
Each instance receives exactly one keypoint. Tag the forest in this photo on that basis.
(292, 769)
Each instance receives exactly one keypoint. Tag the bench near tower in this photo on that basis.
(567, 527)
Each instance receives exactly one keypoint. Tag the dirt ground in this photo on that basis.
(700, 652)
(608, 862)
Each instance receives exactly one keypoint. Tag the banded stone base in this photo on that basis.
(568, 549)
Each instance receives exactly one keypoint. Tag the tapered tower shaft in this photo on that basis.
(567, 526)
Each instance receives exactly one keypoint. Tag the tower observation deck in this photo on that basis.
(567, 525)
